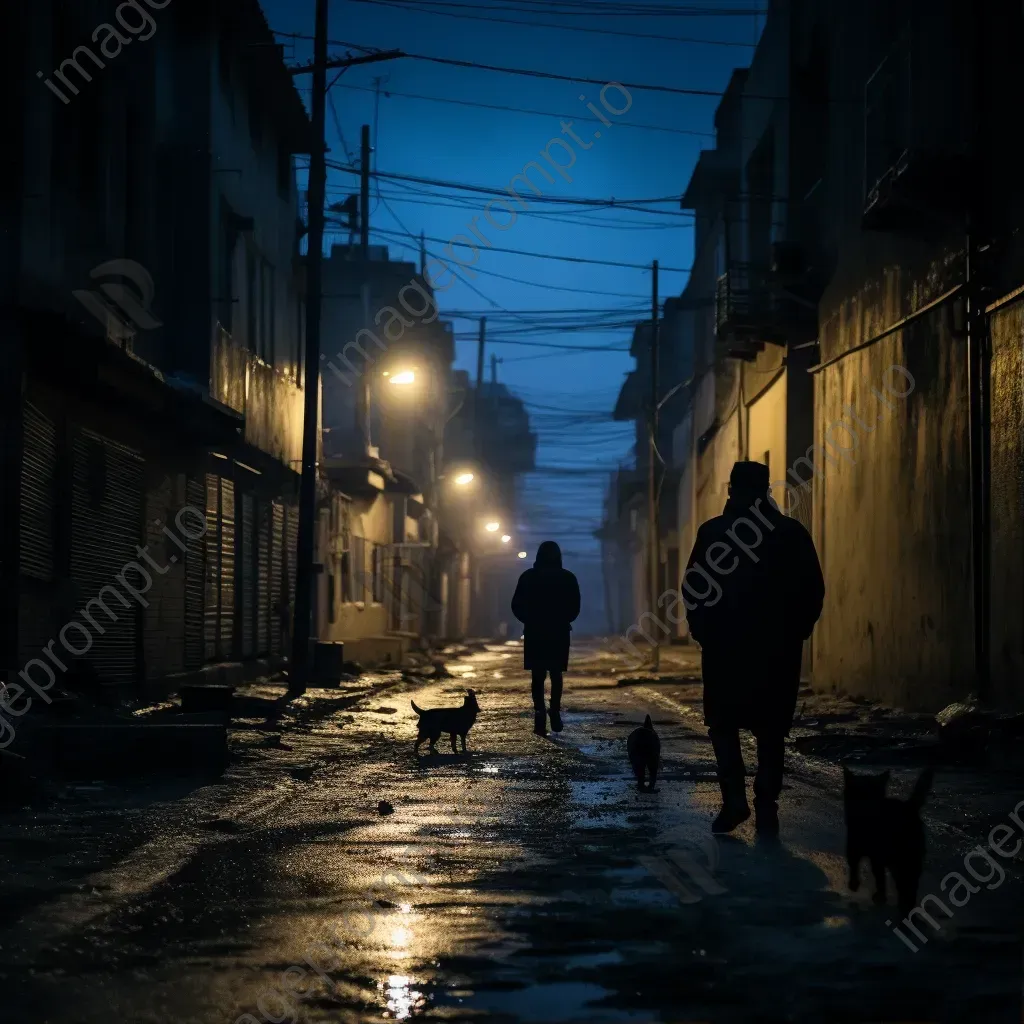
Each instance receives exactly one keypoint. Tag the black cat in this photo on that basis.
(644, 750)
(888, 832)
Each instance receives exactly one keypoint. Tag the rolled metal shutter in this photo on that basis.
(248, 578)
(228, 568)
(276, 576)
(292, 534)
(263, 599)
(195, 575)
(106, 529)
(39, 457)
(211, 621)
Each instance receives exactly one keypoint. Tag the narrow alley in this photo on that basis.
(333, 876)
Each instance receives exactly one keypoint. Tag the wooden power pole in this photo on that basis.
(302, 625)
(654, 555)
(299, 668)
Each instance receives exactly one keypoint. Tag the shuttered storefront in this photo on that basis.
(195, 569)
(277, 568)
(37, 495)
(265, 603)
(106, 528)
(211, 617)
(248, 576)
(219, 632)
(292, 537)
(228, 569)
(39, 456)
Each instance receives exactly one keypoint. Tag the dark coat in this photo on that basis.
(546, 601)
(753, 591)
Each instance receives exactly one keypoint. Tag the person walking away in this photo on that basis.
(546, 602)
(761, 592)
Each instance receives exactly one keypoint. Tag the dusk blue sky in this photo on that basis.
(569, 394)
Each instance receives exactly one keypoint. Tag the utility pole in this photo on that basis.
(423, 254)
(364, 270)
(478, 402)
(317, 189)
(654, 555)
(299, 672)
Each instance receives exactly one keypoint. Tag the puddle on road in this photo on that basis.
(545, 1004)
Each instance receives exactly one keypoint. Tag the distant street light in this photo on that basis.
(464, 478)
(492, 527)
(505, 539)
(522, 554)
(406, 377)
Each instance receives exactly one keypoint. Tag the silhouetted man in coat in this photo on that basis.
(753, 591)
(546, 601)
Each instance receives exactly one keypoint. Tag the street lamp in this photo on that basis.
(505, 539)
(492, 527)
(522, 554)
(464, 479)
(405, 377)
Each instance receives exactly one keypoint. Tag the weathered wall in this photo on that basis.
(714, 467)
(371, 520)
(892, 513)
(1007, 522)
(766, 424)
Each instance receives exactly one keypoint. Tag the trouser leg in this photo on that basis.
(771, 755)
(556, 691)
(537, 686)
(731, 770)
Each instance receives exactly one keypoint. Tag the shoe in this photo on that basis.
(556, 720)
(539, 724)
(730, 817)
(766, 818)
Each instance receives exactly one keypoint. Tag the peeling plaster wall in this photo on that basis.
(1007, 602)
(892, 512)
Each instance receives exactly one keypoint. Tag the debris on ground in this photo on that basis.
(384, 808)
(303, 774)
(637, 681)
(227, 825)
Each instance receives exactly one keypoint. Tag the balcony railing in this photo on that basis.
(757, 305)
(270, 400)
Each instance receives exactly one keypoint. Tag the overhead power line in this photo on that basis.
(524, 110)
(426, 7)
(536, 255)
(611, 204)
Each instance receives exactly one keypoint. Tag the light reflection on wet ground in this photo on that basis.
(510, 884)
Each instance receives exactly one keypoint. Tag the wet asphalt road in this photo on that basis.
(526, 881)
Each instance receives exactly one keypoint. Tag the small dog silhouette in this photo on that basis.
(644, 750)
(454, 721)
(888, 832)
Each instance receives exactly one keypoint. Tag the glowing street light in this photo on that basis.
(492, 527)
(505, 539)
(406, 377)
(522, 554)
(464, 478)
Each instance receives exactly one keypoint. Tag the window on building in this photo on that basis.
(378, 574)
(357, 567)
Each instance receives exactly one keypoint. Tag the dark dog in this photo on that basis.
(454, 721)
(644, 750)
(888, 832)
